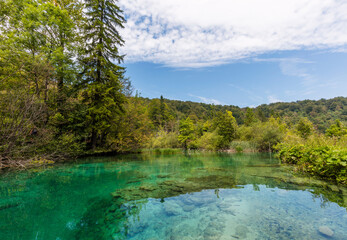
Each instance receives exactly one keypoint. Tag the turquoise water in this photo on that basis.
(180, 196)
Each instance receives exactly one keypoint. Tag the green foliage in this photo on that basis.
(243, 146)
(226, 128)
(186, 133)
(104, 102)
(264, 135)
(131, 130)
(160, 114)
(336, 130)
(304, 128)
(67, 145)
(163, 139)
(102, 78)
(250, 118)
(321, 113)
(209, 141)
(239, 149)
(270, 135)
(317, 156)
(57, 58)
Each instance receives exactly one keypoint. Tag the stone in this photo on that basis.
(162, 176)
(147, 188)
(326, 231)
(172, 209)
(211, 234)
(188, 208)
(241, 231)
(214, 230)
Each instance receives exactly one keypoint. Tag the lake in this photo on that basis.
(170, 196)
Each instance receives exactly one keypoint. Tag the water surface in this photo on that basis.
(178, 196)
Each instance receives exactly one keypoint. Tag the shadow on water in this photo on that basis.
(162, 196)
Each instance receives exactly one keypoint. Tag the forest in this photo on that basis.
(64, 93)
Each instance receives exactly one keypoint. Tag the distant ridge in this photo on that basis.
(321, 112)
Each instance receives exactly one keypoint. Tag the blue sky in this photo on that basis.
(242, 53)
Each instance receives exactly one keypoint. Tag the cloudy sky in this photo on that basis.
(239, 52)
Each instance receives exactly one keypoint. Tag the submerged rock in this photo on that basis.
(171, 188)
(241, 231)
(162, 176)
(172, 209)
(326, 231)
(214, 229)
(188, 208)
(147, 188)
(10, 205)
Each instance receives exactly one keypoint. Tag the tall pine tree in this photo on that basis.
(102, 78)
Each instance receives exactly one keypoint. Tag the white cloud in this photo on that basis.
(208, 100)
(295, 67)
(199, 33)
(273, 99)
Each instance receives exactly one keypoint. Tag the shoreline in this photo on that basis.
(41, 161)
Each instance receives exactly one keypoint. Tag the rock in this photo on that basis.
(211, 234)
(147, 188)
(180, 232)
(326, 231)
(214, 230)
(10, 205)
(172, 209)
(241, 231)
(223, 205)
(162, 176)
(188, 208)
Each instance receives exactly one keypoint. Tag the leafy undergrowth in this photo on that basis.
(324, 158)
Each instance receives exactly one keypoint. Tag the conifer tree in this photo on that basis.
(102, 77)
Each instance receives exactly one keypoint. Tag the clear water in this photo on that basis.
(181, 196)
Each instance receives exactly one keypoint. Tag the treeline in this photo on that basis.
(322, 113)
(62, 90)
(161, 123)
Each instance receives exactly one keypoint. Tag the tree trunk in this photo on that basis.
(94, 139)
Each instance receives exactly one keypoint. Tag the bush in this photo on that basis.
(243, 146)
(66, 145)
(209, 141)
(163, 139)
(264, 135)
(239, 149)
(317, 156)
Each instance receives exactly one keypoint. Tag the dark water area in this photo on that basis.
(175, 197)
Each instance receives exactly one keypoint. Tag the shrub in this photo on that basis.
(317, 156)
(241, 146)
(209, 141)
(239, 149)
(163, 139)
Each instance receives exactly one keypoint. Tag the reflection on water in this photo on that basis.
(181, 196)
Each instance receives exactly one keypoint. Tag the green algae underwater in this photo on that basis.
(170, 196)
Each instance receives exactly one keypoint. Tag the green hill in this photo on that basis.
(322, 113)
